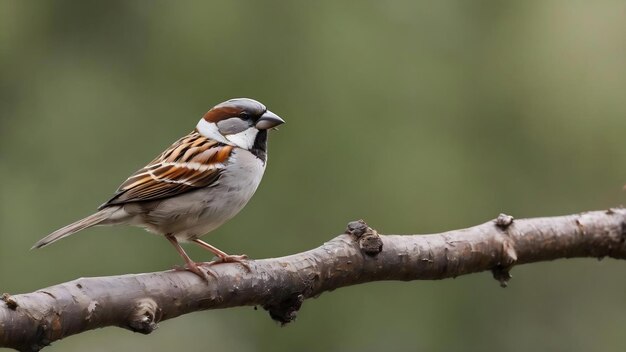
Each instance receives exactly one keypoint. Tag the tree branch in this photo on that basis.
(29, 322)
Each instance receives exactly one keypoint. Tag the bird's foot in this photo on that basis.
(240, 259)
(195, 268)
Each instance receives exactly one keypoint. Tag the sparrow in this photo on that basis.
(196, 185)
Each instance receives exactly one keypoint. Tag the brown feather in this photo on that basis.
(192, 162)
(220, 113)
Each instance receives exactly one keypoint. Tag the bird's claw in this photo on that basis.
(240, 259)
(195, 268)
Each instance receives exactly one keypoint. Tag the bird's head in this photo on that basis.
(238, 122)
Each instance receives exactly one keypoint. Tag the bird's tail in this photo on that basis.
(91, 220)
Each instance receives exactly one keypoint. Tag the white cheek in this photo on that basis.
(209, 130)
(243, 139)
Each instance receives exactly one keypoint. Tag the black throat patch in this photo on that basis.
(259, 148)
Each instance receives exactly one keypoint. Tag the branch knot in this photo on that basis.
(368, 238)
(286, 310)
(144, 316)
(9, 300)
(503, 221)
(501, 271)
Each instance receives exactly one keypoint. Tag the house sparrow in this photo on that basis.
(195, 185)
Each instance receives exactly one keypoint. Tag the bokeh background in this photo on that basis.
(418, 116)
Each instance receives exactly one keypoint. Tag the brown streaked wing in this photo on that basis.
(192, 162)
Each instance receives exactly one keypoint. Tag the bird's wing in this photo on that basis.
(192, 162)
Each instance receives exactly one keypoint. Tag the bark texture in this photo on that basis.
(31, 321)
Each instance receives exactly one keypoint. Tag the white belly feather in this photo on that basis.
(196, 213)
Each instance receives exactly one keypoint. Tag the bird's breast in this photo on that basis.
(196, 213)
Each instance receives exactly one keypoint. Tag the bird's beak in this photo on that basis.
(269, 120)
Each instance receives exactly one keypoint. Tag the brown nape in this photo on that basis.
(221, 113)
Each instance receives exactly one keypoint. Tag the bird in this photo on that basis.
(197, 184)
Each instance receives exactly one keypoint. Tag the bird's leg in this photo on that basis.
(222, 256)
(190, 265)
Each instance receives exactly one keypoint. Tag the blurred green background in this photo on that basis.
(417, 116)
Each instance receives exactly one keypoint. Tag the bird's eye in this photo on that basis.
(244, 115)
